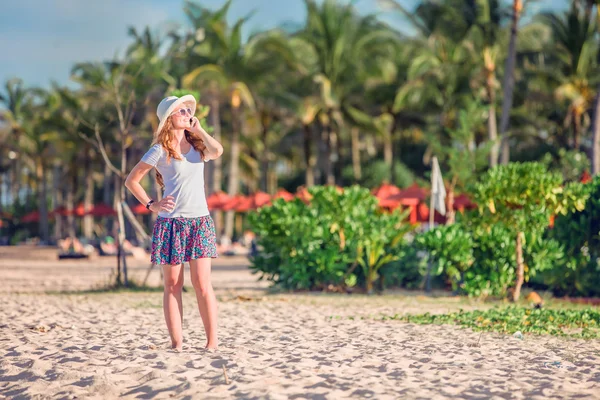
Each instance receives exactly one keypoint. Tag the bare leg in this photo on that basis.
(207, 301)
(172, 303)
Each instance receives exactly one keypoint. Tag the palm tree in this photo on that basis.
(437, 77)
(574, 71)
(596, 108)
(483, 35)
(508, 83)
(344, 46)
(596, 134)
(226, 67)
(15, 99)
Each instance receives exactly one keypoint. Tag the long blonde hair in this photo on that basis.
(165, 138)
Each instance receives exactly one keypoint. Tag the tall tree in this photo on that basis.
(508, 81)
(344, 45)
(574, 72)
(230, 66)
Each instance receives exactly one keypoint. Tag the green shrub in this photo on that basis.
(449, 250)
(579, 233)
(522, 197)
(494, 269)
(405, 272)
(336, 239)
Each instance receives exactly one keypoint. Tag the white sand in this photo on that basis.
(272, 346)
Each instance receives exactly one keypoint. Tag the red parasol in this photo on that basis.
(585, 177)
(79, 210)
(410, 196)
(385, 190)
(140, 209)
(33, 216)
(233, 203)
(216, 200)
(252, 202)
(259, 199)
(463, 202)
(283, 194)
(61, 210)
(101, 210)
(302, 194)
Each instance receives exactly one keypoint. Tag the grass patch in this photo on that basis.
(147, 304)
(112, 287)
(578, 323)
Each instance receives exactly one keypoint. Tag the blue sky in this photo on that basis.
(40, 40)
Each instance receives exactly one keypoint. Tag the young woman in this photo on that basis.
(184, 230)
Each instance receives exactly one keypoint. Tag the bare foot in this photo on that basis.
(211, 346)
(177, 347)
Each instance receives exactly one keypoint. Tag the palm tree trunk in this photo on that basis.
(121, 197)
(337, 156)
(450, 212)
(520, 267)
(576, 131)
(309, 157)
(272, 182)
(355, 143)
(88, 198)
(264, 157)
(388, 151)
(57, 201)
(329, 138)
(15, 181)
(492, 127)
(234, 165)
(70, 203)
(122, 256)
(215, 167)
(508, 83)
(329, 176)
(596, 136)
(106, 195)
(42, 198)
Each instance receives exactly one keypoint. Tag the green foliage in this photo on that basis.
(381, 244)
(184, 92)
(570, 163)
(463, 158)
(406, 271)
(450, 250)
(481, 251)
(483, 259)
(571, 323)
(517, 195)
(579, 233)
(377, 172)
(522, 197)
(311, 246)
(493, 271)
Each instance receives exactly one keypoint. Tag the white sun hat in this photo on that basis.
(170, 104)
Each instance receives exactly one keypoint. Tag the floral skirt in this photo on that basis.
(177, 240)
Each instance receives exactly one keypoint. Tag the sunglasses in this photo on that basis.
(183, 112)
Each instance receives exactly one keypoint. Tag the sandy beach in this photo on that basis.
(272, 346)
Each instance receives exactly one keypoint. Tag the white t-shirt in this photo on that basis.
(184, 180)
